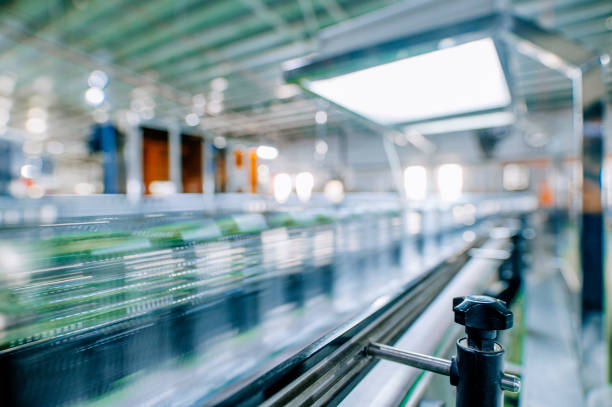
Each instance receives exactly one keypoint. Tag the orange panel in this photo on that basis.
(253, 170)
(155, 159)
(191, 164)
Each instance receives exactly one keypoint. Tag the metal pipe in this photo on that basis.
(395, 165)
(420, 361)
(508, 382)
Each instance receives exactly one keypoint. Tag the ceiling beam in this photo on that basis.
(262, 11)
(334, 10)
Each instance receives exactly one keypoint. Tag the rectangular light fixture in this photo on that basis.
(455, 80)
(464, 123)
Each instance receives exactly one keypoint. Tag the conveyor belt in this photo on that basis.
(327, 370)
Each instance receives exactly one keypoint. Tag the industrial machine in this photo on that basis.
(227, 306)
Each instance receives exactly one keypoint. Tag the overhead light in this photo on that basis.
(192, 119)
(267, 152)
(304, 182)
(36, 125)
(29, 171)
(94, 96)
(162, 188)
(282, 187)
(460, 79)
(515, 177)
(334, 191)
(321, 147)
(215, 107)
(321, 117)
(450, 181)
(415, 182)
(219, 142)
(97, 79)
(218, 84)
(471, 122)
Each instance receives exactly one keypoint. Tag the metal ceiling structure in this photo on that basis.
(586, 22)
(161, 53)
(170, 51)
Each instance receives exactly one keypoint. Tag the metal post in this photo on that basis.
(208, 166)
(174, 152)
(108, 141)
(478, 382)
(395, 165)
(133, 163)
(591, 111)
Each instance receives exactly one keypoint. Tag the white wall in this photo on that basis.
(364, 166)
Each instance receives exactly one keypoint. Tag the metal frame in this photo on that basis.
(576, 63)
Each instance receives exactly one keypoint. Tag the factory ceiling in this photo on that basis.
(217, 59)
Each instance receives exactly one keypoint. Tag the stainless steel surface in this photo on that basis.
(493, 254)
(420, 361)
(510, 383)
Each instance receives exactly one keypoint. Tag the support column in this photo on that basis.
(174, 151)
(108, 141)
(133, 163)
(592, 228)
(208, 166)
(395, 165)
